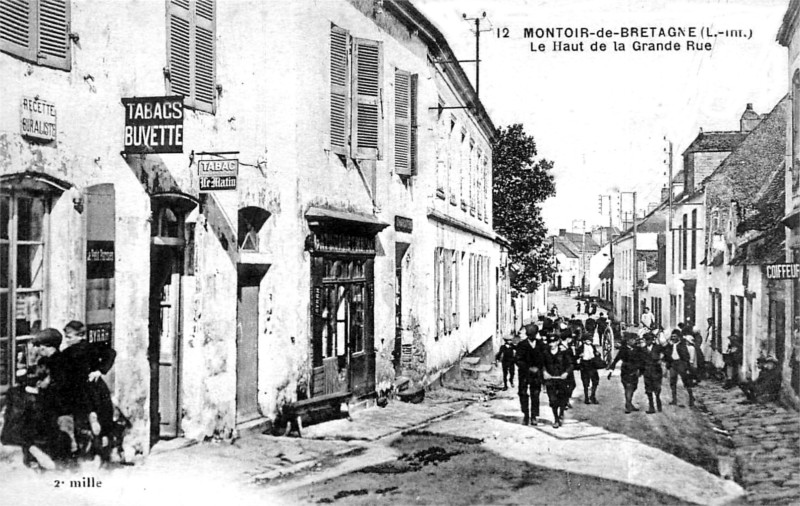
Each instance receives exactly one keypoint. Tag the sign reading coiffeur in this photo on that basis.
(153, 124)
(783, 271)
(38, 119)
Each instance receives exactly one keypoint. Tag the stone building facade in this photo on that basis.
(356, 247)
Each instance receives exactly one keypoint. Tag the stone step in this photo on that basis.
(401, 383)
(466, 361)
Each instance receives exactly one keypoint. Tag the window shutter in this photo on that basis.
(204, 57)
(191, 52)
(402, 122)
(438, 290)
(339, 90)
(366, 114)
(413, 100)
(16, 35)
(456, 274)
(53, 31)
(179, 49)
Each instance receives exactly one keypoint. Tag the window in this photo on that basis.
(22, 251)
(405, 123)
(672, 249)
(795, 132)
(684, 241)
(356, 95)
(694, 239)
(36, 31)
(191, 52)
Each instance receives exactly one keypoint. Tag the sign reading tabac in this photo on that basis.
(153, 124)
(218, 174)
(783, 271)
(37, 119)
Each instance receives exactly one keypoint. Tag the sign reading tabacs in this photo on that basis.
(153, 124)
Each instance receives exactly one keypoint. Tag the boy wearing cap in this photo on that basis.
(653, 374)
(630, 370)
(557, 368)
(529, 363)
(506, 357)
(87, 394)
(588, 357)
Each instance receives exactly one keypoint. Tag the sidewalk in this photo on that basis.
(764, 441)
(237, 471)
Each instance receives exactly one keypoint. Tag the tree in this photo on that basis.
(520, 186)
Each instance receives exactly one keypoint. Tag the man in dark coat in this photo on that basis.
(653, 374)
(558, 366)
(506, 357)
(529, 363)
(682, 357)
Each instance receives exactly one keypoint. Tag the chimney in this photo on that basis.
(562, 232)
(750, 119)
(664, 194)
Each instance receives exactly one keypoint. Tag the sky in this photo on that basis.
(603, 117)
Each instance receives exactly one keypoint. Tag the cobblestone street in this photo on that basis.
(765, 443)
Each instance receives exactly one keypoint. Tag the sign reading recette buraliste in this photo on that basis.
(37, 119)
(153, 124)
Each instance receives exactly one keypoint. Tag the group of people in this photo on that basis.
(552, 351)
(60, 411)
(548, 357)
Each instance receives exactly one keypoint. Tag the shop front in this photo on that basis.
(25, 204)
(342, 247)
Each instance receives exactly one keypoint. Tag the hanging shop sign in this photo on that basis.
(783, 271)
(218, 174)
(403, 224)
(37, 119)
(153, 124)
(99, 259)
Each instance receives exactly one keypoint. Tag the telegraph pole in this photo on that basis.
(635, 268)
(477, 60)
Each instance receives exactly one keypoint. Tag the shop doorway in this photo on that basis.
(168, 254)
(247, 348)
(164, 347)
(344, 358)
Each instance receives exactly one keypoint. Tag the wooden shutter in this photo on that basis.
(53, 31)
(437, 287)
(179, 43)
(204, 55)
(366, 112)
(456, 298)
(17, 19)
(340, 81)
(413, 100)
(36, 31)
(191, 51)
(402, 122)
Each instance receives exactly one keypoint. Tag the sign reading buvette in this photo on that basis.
(218, 175)
(153, 124)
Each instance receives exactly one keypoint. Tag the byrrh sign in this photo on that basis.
(783, 271)
(153, 124)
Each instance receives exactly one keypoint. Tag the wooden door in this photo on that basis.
(247, 353)
(165, 333)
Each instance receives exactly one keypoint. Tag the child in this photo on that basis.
(506, 357)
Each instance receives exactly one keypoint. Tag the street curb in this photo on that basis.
(265, 478)
(295, 468)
